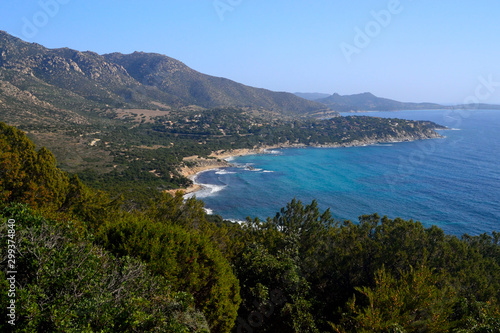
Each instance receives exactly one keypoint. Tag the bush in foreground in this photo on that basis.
(65, 283)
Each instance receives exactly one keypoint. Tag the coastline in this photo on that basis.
(194, 165)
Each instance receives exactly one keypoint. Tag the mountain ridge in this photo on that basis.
(368, 102)
(71, 79)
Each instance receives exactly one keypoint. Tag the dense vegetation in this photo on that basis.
(31, 177)
(86, 264)
(66, 283)
(379, 275)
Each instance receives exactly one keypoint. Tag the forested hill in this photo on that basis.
(66, 81)
(74, 260)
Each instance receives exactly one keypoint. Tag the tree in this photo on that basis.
(188, 260)
(417, 302)
(275, 294)
(27, 175)
(32, 177)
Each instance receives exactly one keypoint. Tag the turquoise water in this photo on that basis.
(452, 182)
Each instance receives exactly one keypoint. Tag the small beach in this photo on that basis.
(194, 165)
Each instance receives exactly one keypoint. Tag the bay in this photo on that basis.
(453, 182)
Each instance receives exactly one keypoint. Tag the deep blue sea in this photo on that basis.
(453, 182)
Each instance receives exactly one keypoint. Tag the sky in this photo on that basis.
(444, 51)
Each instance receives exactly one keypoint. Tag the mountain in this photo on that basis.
(311, 96)
(192, 87)
(67, 82)
(369, 102)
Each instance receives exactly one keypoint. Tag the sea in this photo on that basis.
(452, 182)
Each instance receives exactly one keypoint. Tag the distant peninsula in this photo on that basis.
(369, 102)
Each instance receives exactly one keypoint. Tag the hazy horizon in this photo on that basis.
(410, 51)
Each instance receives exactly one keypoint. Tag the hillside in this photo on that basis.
(194, 88)
(59, 80)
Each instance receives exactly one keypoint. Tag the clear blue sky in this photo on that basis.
(424, 50)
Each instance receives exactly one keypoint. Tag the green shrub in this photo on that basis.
(188, 260)
(67, 284)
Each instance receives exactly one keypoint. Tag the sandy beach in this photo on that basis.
(194, 165)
